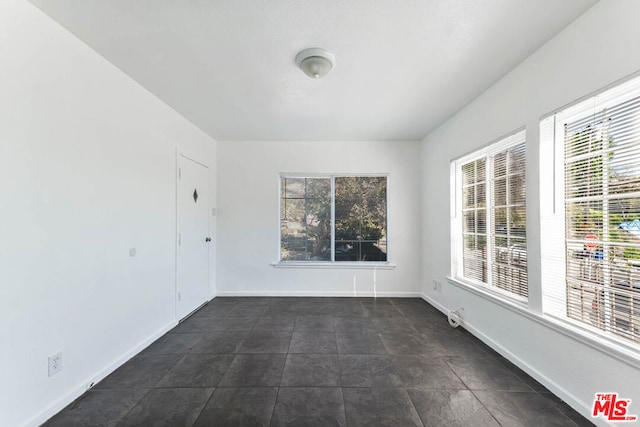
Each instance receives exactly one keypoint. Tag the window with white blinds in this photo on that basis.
(489, 241)
(595, 280)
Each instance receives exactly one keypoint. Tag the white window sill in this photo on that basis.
(336, 265)
(488, 292)
(620, 350)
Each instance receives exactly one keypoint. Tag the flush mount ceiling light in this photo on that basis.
(315, 62)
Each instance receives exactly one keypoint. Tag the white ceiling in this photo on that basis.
(403, 66)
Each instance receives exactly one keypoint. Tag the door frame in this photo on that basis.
(181, 153)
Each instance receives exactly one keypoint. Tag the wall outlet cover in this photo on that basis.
(55, 363)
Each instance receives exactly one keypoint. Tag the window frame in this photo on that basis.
(553, 209)
(487, 152)
(332, 263)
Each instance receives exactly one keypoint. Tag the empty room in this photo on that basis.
(320, 213)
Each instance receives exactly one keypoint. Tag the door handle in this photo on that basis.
(208, 239)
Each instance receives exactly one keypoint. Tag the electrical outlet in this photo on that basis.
(435, 285)
(55, 363)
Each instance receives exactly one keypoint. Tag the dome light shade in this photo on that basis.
(315, 62)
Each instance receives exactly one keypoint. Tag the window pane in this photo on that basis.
(470, 221)
(602, 210)
(474, 258)
(469, 197)
(469, 173)
(494, 230)
(517, 190)
(624, 220)
(500, 191)
(583, 177)
(293, 188)
(624, 178)
(481, 192)
(305, 219)
(517, 221)
(517, 159)
(482, 221)
(474, 220)
(509, 253)
(584, 218)
(500, 221)
(584, 136)
(500, 165)
(481, 167)
(361, 218)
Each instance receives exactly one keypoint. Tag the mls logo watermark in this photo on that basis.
(612, 408)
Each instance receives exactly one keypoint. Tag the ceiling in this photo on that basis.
(228, 66)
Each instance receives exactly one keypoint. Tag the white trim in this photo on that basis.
(333, 221)
(484, 290)
(178, 175)
(624, 354)
(388, 221)
(329, 175)
(455, 220)
(496, 146)
(602, 90)
(362, 265)
(279, 225)
(192, 159)
(85, 385)
(383, 294)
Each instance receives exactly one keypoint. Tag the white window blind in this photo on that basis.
(596, 280)
(474, 220)
(489, 225)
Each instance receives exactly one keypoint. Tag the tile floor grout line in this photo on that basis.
(284, 366)
(134, 406)
(485, 407)
(204, 406)
(273, 410)
(344, 404)
(414, 407)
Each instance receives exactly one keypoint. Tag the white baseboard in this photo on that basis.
(549, 383)
(317, 294)
(65, 400)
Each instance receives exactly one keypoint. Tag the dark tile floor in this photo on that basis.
(317, 362)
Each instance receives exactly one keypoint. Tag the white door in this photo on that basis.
(192, 287)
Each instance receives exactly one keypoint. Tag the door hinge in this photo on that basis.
(179, 239)
(179, 296)
(179, 173)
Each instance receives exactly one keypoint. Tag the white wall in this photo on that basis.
(248, 217)
(594, 51)
(87, 171)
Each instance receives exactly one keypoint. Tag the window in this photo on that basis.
(596, 280)
(489, 241)
(333, 218)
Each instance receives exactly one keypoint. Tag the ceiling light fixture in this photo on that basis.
(315, 62)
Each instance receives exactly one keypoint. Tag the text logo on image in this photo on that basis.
(612, 408)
